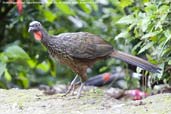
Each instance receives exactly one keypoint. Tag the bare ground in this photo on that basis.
(33, 101)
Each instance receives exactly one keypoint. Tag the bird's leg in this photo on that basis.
(80, 89)
(74, 87)
(71, 85)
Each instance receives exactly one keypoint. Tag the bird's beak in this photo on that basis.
(31, 29)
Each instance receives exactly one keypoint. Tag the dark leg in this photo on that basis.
(71, 85)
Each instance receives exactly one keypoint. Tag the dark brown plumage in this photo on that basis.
(81, 50)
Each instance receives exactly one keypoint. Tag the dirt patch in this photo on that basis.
(33, 101)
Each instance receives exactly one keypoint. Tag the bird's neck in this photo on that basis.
(45, 37)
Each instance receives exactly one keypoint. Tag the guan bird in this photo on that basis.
(80, 50)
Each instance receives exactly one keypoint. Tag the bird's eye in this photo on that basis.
(37, 25)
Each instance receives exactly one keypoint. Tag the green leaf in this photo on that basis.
(151, 34)
(16, 52)
(24, 80)
(146, 47)
(94, 6)
(48, 2)
(163, 9)
(110, 62)
(44, 66)
(168, 37)
(169, 62)
(150, 8)
(167, 34)
(145, 23)
(64, 7)
(84, 7)
(136, 46)
(126, 20)
(145, 1)
(104, 68)
(31, 63)
(49, 15)
(151, 59)
(166, 51)
(125, 3)
(122, 35)
(2, 68)
(7, 76)
(3, 58)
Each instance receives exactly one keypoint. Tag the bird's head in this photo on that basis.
(36, 28)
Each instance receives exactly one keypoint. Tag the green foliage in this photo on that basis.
(15, 52)
(149, 25)
(137, 27)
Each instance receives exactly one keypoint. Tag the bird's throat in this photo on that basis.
(37, 35)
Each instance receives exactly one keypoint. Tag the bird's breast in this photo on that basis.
(61, 56)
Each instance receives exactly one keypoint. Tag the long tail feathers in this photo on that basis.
(135, 61)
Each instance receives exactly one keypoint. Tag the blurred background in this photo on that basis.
(138, 27)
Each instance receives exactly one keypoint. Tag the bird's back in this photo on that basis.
(80, 45)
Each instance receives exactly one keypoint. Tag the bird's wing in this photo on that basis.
(83, 45)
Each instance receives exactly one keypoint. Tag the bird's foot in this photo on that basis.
(75, 86)
(72, 86)
(68, 90)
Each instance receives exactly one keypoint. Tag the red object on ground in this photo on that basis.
(19, 6)
(137, 94)
(106, 77)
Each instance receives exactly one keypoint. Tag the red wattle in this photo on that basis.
(38, 35)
